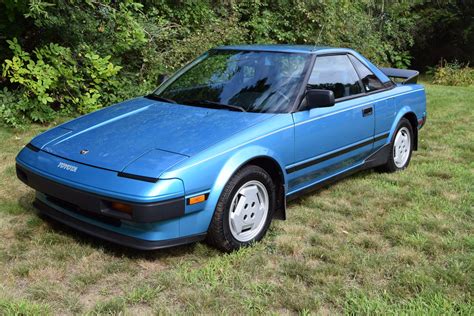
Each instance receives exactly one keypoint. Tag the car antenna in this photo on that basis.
(319, 37)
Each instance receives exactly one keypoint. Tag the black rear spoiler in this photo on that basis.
(410, 76)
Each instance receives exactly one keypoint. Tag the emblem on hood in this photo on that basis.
(67, 167)
(84, 152)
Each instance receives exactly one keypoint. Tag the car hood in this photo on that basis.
(161, 134)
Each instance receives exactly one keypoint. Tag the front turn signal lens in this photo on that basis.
(197, 199)
(121, 207)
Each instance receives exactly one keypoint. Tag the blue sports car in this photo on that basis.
(220, 147)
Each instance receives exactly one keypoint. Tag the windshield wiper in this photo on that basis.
(215, 104)
(158, 98)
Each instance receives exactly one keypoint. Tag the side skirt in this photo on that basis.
(377, 158)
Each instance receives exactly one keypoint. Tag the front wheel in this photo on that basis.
(244, 210)
(401, 148)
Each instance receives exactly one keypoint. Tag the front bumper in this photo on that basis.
(152, 225)
(79, 200)
(112, 236)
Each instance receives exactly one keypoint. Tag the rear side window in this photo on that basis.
(369, 80)
(335, 73)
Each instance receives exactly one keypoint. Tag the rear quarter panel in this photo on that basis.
(409, 98)
(391, 105)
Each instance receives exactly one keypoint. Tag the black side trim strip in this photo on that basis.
(323, 184)
(32, 147)
(377, 158)
(380, 137)
(335, 154)
(137, 177)
(112, 236)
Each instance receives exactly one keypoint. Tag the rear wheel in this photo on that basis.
(244, 210)
(401, 148)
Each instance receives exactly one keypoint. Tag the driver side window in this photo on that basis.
(335, 73)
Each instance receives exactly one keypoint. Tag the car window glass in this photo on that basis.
(335, 73)
(369, 80)
(263, 82)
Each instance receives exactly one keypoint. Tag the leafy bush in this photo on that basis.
(11, 108)
(453, 74)
(52, 79)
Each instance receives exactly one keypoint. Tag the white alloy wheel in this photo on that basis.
(401, 147)
(248, 211)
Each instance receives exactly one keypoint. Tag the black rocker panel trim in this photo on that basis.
(112, 236)
(81, 200)
(335, 154)
(378, 158)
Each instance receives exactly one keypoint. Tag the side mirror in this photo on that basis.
(317, 98)
(162, 78)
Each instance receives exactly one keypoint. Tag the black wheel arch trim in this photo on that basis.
(412, 118)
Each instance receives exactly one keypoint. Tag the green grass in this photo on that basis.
(371, 244)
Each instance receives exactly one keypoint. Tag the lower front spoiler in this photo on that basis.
(111, 236)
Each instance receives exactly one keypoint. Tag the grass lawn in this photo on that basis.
(372, 243)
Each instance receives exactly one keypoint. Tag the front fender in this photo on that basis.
(241, 158)
(209, 171)
(198, 217)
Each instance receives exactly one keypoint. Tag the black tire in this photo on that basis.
(390, 165)
(219, 234)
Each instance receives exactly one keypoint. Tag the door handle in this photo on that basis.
(367, 111)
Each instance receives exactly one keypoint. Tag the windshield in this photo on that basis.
(251, 81)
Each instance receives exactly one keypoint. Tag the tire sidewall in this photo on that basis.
(248, 174)
(403, 123)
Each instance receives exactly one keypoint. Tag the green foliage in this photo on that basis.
(11, 108)
(52, 79)
(427, 304)
(22, 307)
(453, 74)
(77, 56)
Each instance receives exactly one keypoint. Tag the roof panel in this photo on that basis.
(276, 48)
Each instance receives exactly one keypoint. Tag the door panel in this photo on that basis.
(329, 140)
(385, 112)
(384, 107)
(332, 139)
